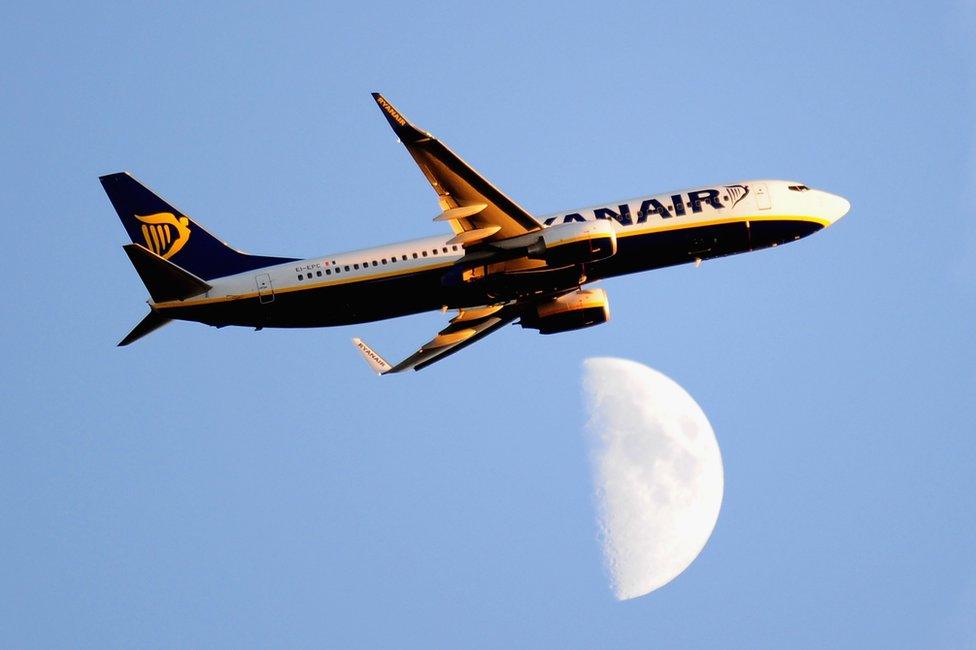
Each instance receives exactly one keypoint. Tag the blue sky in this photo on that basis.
(233, 488)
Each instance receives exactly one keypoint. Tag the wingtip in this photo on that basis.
(377, 363)
(400, 124)
(105, 178)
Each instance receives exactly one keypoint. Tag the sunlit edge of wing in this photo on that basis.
(424, 148)
(426, 356)
(448, 351)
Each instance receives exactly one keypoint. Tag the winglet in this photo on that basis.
(406, 131)
(375, 361)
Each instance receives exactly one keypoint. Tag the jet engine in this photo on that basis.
(576, 242)
(573, 311)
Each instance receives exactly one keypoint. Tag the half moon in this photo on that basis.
(657, 472)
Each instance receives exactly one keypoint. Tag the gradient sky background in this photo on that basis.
(233, 488)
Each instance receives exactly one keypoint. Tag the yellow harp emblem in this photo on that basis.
(165, 235)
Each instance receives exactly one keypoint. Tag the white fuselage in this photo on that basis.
(766, 200)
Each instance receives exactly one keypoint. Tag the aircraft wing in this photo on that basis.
(476, 209)
(467, 327)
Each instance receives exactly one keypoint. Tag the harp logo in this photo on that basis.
(165, 234)
(737, 193)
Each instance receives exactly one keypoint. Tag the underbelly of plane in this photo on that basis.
(645, 252)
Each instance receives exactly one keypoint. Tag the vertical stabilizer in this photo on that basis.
(158, 226)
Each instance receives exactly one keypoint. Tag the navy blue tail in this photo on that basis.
(158, 226)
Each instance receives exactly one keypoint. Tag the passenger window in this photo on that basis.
(382, 260)
(415, 256)
(454, 247)
(424, 253)
(433, 251)
(300, 278)
(393, 260)
(328, 272)
(374, 262)
(318, 273)
(445, 249)
(355, 266)
(346, 267)
(309, 275)
(404, 258)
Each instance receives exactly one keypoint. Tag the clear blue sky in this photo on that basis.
(231, 488)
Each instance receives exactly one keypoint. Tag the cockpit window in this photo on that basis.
(798, 188)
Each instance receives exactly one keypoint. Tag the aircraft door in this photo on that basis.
(762, 197)
(265, 290)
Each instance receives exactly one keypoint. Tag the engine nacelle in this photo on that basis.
(573, 311)
(576, 242)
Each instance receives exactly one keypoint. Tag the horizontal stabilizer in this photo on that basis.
(164, 280)
(147, 325)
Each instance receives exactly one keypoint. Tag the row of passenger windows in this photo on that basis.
(340, 268)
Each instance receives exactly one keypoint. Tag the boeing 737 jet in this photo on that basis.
(498, 264)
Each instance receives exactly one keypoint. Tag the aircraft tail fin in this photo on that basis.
(161, 228)
(164, 280)
(152, 322)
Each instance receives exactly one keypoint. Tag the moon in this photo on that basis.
(657, 473)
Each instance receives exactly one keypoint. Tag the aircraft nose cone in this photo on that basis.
(833, 206)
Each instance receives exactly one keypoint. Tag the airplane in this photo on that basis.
(499, 264)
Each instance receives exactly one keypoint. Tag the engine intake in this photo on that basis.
(573, 311)
(576, 242)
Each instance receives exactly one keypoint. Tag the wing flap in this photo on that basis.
(471, 236)
(477, 313)
(460, 212)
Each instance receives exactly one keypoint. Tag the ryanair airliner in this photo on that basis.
(498, 265)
